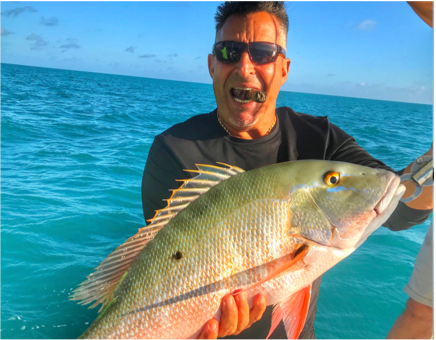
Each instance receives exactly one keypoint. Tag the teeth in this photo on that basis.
(242, 101)
(240, 94)
(243, 88)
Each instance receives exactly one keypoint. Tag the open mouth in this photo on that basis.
(242, 94)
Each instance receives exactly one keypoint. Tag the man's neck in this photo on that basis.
(260, 129)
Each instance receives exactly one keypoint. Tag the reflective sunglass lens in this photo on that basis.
(228, 52)
(262, 53)
(221, 53)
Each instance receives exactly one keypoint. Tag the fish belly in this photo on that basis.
(238, 251)
(186, 319)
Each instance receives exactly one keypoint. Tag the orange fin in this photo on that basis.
(293, 311)
(101, 284)
(300, 253)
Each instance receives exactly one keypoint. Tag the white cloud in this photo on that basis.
(367, 25)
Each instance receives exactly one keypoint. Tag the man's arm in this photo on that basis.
(161, 171)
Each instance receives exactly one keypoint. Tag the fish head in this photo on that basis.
(340, 204)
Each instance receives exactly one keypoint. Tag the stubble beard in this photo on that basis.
(241, 123)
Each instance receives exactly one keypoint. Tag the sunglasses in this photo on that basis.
(229, 52)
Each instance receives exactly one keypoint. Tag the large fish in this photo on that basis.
(272, 230)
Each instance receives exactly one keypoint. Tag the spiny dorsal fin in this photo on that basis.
(100, 285)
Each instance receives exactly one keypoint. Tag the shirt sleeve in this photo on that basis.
(161, 171)
(342, 147)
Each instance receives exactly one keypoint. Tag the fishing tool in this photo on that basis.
(421, 175)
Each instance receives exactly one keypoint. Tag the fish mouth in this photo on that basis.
(384, 208)
(394, 189)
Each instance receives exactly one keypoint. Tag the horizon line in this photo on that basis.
(185, 81)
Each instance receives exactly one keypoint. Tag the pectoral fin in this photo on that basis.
(299, 255)
(293, 311)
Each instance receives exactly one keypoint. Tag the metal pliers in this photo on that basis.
(421, 174)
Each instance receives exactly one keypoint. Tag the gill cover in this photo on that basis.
(336, 202)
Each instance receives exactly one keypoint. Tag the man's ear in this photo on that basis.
(285, 69)
(211, 64)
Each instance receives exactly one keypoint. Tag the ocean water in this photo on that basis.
(74, 145)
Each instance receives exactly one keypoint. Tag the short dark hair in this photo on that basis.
(228, 8)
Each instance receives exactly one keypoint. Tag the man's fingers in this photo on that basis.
(229, 316)
(259, 306)
(235, 316)
(243, 312)
(210, 330)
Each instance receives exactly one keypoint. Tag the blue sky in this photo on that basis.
(377, 50)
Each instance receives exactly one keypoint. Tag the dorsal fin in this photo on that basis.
(100, 285)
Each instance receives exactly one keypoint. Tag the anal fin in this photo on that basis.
(293, 311)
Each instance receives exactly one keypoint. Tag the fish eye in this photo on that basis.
(332, 178)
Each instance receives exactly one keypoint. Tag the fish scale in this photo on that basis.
(234, 227)
(240, 234)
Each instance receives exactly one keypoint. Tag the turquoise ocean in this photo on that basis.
(74, 145)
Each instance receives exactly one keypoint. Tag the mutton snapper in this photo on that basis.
(271, 230)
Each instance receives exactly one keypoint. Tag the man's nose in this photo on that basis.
(245, 66)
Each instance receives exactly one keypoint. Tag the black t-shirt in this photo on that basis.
(296, 136)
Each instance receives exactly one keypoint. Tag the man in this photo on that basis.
(249, 54)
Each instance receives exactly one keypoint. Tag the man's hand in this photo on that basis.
(235, 316)
(425, 200)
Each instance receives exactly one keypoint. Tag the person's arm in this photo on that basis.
(424, 9)
(161, 171)
(416, 322)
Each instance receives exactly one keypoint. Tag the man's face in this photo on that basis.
(245, 73)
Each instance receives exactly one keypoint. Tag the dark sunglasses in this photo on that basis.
(229, 52)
